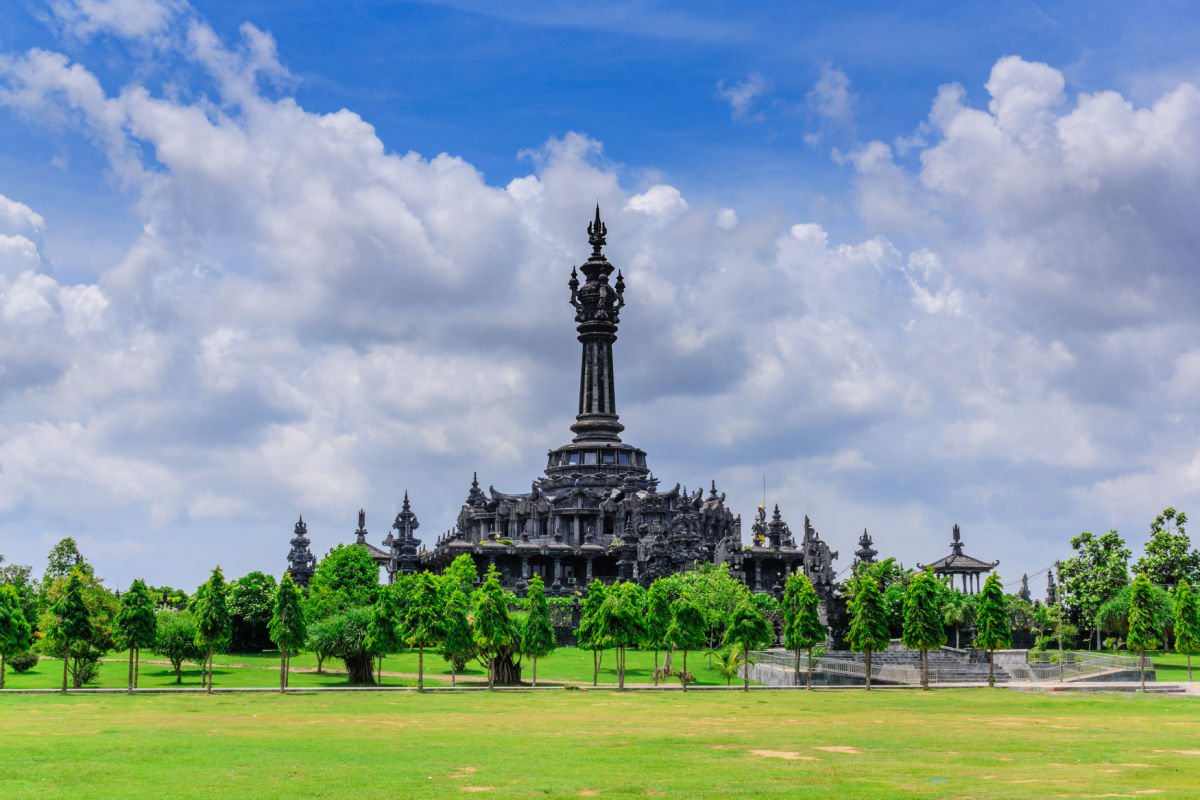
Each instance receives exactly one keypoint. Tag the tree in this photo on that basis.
(687, 629)
(460, 575)
(175, 639)
(62, 559)
(251, 602)
(346, 578)
(458, 644)
(587, 635)
(717, 593)
(423, 621)
(493, 631)
(1143, 628)
(727, 662)
(345, 635)
(1094, 575)
(991, 623)
(72, 621)
(958, 612)
(387, 615)
(620, 622)
(286, 626)
(212, 621)
(1113, 616)
(748, 630)
(657, 618)
(14, 628)
(923, 629)
(802, 627)
(1187, 623)
(868, 629)
(537, 634)
(20, 577)
(1169, 556)
(102, 609)
(136, 626)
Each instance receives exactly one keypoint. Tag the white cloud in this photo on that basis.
(831, 99)
(744, 96)
(659, 201)
(727, 219)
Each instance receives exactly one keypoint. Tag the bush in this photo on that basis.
(23, 662)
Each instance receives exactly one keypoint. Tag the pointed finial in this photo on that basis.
(597, 230)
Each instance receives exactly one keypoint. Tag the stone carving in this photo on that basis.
(301, 562)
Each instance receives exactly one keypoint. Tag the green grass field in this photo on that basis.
(835, 744)
(566, 665)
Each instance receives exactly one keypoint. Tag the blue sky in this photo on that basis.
(917, 266)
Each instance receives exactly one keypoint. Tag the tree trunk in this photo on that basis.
(420, 670)
(320, 661)
(535, 669)
(810, 669)
(491, 674)
(621, 669)
(992, 669)
(452, 673)
(957, 641)
(505, 671)
(1142, 667)
(282, 668)
(667, 661)
(595, 668)
(66, 658)
(683, 680)
(130, 689)
(868, 669)
(796, 669)
(360, 667)
(137, 667)
(746, 672)
(178, 671)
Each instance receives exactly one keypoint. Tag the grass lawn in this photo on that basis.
(566, 665)
(842, 744)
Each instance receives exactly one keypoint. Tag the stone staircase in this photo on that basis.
(945, 666)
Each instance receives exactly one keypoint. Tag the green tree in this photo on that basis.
(345, 635)
(15, 631)
(1094, 574)
(718, 594)
(20, 577)
(727, 662)
(537, 634)
(958, 612)
(1169, 556)
(1113, 616)
(1143, 628)
(251, 602)
(923, 629)
(460, 575)
(346, 578)
(991, 623)
(175, 639)
(212, 622)
(748, 630)
(587, 635)
(423, 621)
(286, 626)
(657, 618)
(620, 622)
(63, 558)
(802, 627)
(868, 631)
(136, 626)
(686, 631)
(458, 643)
(387, 618)
(73, 622)
(492, 627)
(1187, 623)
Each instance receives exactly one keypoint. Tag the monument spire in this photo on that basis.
(597, 313)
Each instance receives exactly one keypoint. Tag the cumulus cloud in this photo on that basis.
(311, 320)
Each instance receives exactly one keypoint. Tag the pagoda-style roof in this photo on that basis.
(958, 562)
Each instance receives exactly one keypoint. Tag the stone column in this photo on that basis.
(757, 575)
(525, 567)
(589, 570)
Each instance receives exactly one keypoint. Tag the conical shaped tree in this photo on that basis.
(136, 625)
(537, 634)
(587, 634)
(492, 625)
(423, 620)
(686, 631)
(457, 642)
(657, 618)
(868, 631)
(287, 628)
(385, 635)
(922, 628)
(991, 623)
(802, 628)
(15, 631)
(1187, 623)
(1143, 631)
(72, 622)
(747, 631)
(213, 625)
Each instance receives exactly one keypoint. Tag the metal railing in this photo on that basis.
(1044, 664)
(891, 673)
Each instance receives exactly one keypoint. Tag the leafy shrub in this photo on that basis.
(23, 662)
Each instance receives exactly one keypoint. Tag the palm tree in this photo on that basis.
(958, 612)
(727, 662)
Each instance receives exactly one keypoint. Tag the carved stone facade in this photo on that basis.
(301, 562)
